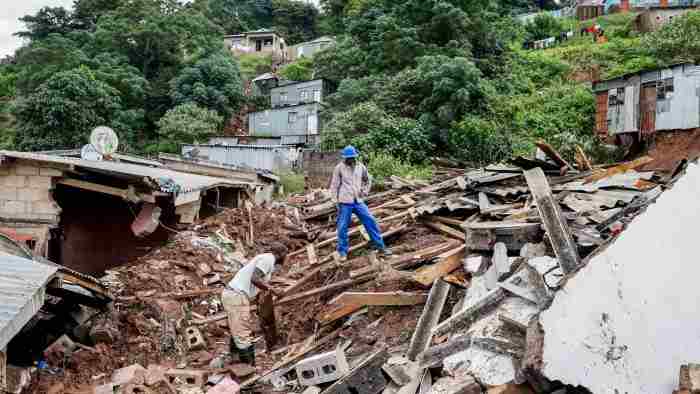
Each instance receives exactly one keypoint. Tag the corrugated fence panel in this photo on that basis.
(259, 157)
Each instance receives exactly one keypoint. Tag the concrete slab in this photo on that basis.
(627, 320)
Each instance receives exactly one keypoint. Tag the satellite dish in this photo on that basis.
(104, 140)
(90, 153)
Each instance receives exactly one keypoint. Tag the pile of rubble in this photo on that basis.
(478, 256)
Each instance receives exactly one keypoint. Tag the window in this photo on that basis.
(283, 97)
(292, 117)
(317, 96)
(664, 89)
(304, 95)
(616, 97)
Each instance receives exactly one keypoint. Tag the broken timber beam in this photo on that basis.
(429, 318)
(618, 169)
(447, 262)
(584, 164)
(554, 155)
(441, 219)
(321, 290)
(563, 244)
(445, 229)
(392, 298)
(405, 261)
(433, 356)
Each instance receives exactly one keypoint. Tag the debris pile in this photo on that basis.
(478, 255)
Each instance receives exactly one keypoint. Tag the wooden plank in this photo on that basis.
(619, 169)
(311, 251)
(336, 312)
(447, 262)
(429, 318)
(553, 154)
(403, 261)
(563, 244)
(94, 187)
(442, 219)
(392, 298)
(447, 230)
(324, 289)
(500, 225)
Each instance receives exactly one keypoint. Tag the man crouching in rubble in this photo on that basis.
(350, 183)
(242, 289)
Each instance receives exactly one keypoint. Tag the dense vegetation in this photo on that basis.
(412, 80)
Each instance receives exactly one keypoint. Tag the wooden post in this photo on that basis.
(429, 318)
(266, 311)
(563, 244)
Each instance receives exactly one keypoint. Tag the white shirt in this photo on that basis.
(243, 281)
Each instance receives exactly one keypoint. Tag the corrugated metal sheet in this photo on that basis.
(296, 120)
(601, 115)
(22, 290)
(647, 107)
(223, 141)
(187, 182)
(259, 157)
(680, 107)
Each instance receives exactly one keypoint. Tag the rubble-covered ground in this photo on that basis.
(489, 233)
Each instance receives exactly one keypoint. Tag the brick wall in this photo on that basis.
(25, 193)
(318, 167)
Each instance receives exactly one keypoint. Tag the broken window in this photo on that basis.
(292, 117)
(664, 89)
(616, 97)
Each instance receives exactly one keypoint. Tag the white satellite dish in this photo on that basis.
(90, 153)
(104, 140)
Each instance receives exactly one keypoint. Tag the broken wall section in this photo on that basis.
(627, 320)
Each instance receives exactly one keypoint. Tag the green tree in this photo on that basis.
(48, 20)
(543, 26)
(61, 113)
(236, 16)
(300, 70)
(295, 20)
(213, 82)
(186, 124)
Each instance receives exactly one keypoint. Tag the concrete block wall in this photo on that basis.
(318, 167)
(25, 193)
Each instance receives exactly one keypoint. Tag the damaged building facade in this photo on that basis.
(93, 215)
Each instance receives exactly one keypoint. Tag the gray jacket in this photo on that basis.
(350, 184)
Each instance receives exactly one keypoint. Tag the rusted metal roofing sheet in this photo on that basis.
(186, 182)
(22, 291)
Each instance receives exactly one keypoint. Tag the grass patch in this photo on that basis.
(290, 183)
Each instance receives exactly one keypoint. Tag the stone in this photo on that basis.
(510, 389)
(134, 373)
(689, 377)
(456, 385)
(226, 386)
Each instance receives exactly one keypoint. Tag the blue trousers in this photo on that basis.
(360, 209)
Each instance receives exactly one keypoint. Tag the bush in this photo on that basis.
(678, 41)
(252, 65)
(382, 166)
(300, 70)
(543, 26)
(291, 182)
(186, 124)
(479, 141)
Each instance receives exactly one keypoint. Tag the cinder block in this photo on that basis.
(14, 181)
(14, 207)
(45, 207)
(8, 193)
(322, 368)
(32, 194)
(186, 377)
(26, 170)
(43, 182)
(49, 172)
(195, 339)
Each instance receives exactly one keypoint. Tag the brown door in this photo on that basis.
(601, 114)
(647, 107)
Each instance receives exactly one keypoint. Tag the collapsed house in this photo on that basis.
(93, 215)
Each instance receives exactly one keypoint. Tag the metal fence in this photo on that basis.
(259, 157)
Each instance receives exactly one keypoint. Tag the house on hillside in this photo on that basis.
(294, 114)
(653, 18)
(310, 48)
(646, 102)
(261, 41)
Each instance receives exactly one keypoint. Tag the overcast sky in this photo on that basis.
(9, 23)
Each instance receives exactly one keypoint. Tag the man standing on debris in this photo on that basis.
(351, 182)
(241, 291)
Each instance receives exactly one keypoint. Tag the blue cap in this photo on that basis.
(349, 152)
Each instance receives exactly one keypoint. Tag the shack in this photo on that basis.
(650, 101)
(94, 215)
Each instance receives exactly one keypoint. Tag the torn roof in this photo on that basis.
(22, 284)
(186, 182)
